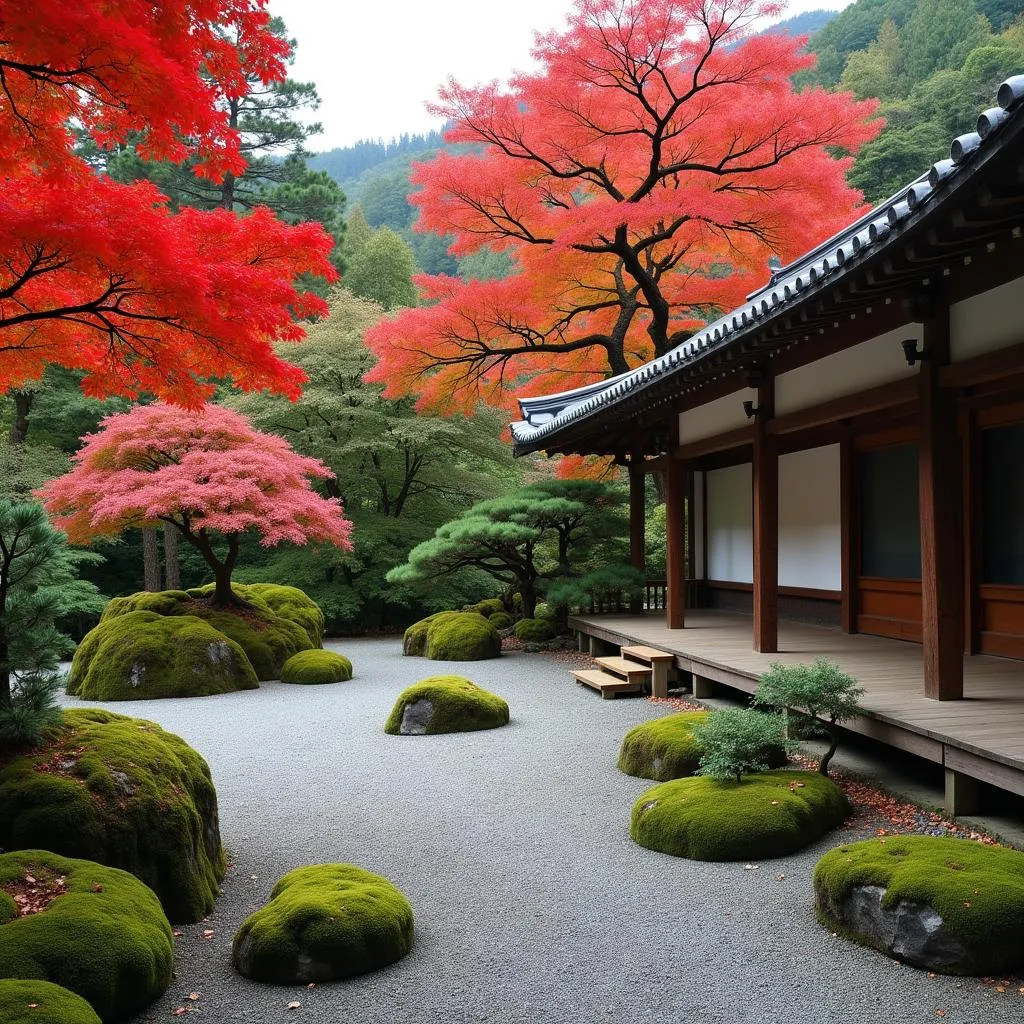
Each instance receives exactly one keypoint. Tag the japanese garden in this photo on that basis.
(560, 559)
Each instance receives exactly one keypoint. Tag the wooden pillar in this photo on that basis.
(766, 524)
(675, 533)
(637, 513)
(849, 518)
(941, 501)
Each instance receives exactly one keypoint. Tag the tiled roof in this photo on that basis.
(545, 416)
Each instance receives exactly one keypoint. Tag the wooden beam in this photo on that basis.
(719, 443)
(766, 524)
(886, 396)
(1005, 362)
(941, 501)
(637, 514)
(675, 535)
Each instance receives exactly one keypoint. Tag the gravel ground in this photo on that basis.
(532, 903)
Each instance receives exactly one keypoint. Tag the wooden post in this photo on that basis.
(766, 524)
(637, 512)
(849, 533)
(675, 533)
(941, 501)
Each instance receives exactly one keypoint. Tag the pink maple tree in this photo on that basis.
(208, 472)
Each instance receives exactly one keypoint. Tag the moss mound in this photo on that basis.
(976, 890)
(766, 815)
(445, 704)
(286, 602)
(103, 935)
(144, 656)
(535, 631)
(500, 620)
(463, 637)
(488, 607)
(41, 1002)
(414, 642)
(666, 748)
(316, 667)
(267, 639)
(122, 792)
(544, 611)
(324, 923)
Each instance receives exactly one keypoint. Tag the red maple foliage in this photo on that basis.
(104, 277)
(639, 179)
(208, 472)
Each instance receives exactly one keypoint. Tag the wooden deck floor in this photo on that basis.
(981, 736)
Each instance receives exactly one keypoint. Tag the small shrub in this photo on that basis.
(738, 741)
(500, 620)
(535, 631)
(33, 709)
(544, 611)
(316, 667)
(821, 690)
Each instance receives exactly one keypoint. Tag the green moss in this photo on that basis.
(456, 705)
(500, 620)
(767, 815)
(324, 923)
(488, 607)
(286, 602)
(142, 655)
(544, 611)
(414, 643)
(316, 667)
(977, 890)
(105, 938)
(41, 1002)
(463, 637)
(663, 749)
(122, 792)
(535, 631)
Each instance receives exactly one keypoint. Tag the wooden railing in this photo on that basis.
(653, 599)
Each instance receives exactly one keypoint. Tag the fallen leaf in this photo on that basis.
(312, 984)
(194, 996)
(294, 1005)
(181, 1011)
(967, 903)
(779, 878)
(96, 887)
(208, 933)
(177, 934)
(931, 974)
(1000, 988)
(940, 1013)
(775, 803)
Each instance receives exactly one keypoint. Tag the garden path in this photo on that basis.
(532, 903)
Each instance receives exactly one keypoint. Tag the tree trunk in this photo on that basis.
(22, 407)
(830, 753)
(529, 596)
(150, 559)
(172, 565)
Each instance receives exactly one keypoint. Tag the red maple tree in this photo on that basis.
(639, 179)
(208, 472)
(104, 277)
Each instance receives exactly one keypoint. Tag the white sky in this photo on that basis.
(377, 62)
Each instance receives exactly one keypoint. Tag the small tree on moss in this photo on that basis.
(822, 690)
(738, 741)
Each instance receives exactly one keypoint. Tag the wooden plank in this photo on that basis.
(985, 769)
(648, 654)
(766, 524)
(605, 684)
(941, 500)
(630, 670)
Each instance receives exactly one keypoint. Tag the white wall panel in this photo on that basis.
(857, 368)
(717, 417)
(810, 536)
(730, 524)
(986, 322)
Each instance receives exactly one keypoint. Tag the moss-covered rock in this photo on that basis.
(324, 923)
(535, 631)
(122, 792)
(770, 814)
(289, 603)
(667, 748)
(316, 667)
(41, 1002)
(488, 607)
(144, 656)
(414, 642)
(944, 904)
(463, 637)
(102, 935)
(445, 704)
(500, 620)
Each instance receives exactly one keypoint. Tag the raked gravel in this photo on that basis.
(532, 904)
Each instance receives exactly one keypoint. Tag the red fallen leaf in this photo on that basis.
(208, 933)
(931, 974)
(181, 1011)
(312, 984)
(940, 1013)
(779, 878)
(96, 887)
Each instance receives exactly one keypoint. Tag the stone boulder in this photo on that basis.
(445, 704)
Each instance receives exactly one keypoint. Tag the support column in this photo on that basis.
(766, 524)
(675, 533)
(637, 513)
(850, 533)
(941, 503)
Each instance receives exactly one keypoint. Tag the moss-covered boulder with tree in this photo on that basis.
(123, 792)
(95, 930)
(285, 602)
(42, 1002)
(324, 923)
(939, 903)
(767, 814)
(145, 656)
(445, 704)
(463, 637)
(315, 667)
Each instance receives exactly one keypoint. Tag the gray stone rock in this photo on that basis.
(416, 717)
(913, 932)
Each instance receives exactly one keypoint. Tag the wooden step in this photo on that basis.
(648, 655)
(607, 685)
(625, 668)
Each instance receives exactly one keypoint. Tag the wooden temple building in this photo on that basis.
(844, 467)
